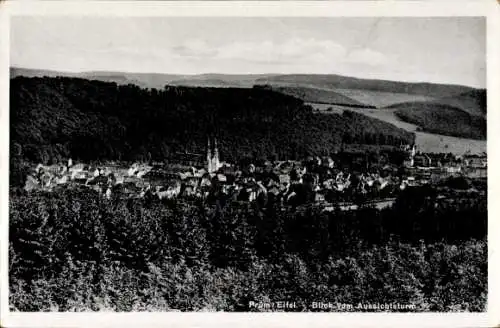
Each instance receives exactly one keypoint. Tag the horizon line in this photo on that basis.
(246, 74)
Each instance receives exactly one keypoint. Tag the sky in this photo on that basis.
(417, 49)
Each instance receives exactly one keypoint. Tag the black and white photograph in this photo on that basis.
(248, 164)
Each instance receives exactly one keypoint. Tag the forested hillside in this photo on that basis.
(53, 118)
(443, 119)
(473, 102)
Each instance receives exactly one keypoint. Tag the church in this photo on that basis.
(213, 162)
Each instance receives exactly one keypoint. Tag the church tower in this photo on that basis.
(209, 157)
(413, 152)
(213, 162)
(215, 158)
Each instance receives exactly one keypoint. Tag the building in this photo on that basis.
(213, 162)
(422, 160)
(411, 152)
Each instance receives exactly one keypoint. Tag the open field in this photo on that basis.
(370, 98)
(381, 98)
(426, 142)
(318, 95)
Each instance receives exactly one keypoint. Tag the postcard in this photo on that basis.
(249, 163)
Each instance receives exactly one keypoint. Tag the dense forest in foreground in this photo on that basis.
(54, 118)
(75, 251)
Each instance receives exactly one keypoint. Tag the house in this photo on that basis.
(453, 169)
(273, 190)
(284, 179)
(131, 171)
(78, 175)
(252, 194)
(382, 183)
(411, 181)
(31, 184)
(118, 179)
(340, 186)
(319, 197)
(221, 177)
(95, 172)
(206, 181)
(62, 180)
(475, 161)
(477, 172)
(202, 172)
(408, 163)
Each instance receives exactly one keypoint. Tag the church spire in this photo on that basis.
(209, 156)
(215, 162)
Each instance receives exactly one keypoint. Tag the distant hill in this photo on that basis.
(371, 93)
(28, 72)
(333, 81)
(327, 81)
(151, 80)
(328, 89)
(144, 80)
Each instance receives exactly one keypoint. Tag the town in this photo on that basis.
(320, 180)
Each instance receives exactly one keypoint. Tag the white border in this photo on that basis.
(416, 8)
(490, 9)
